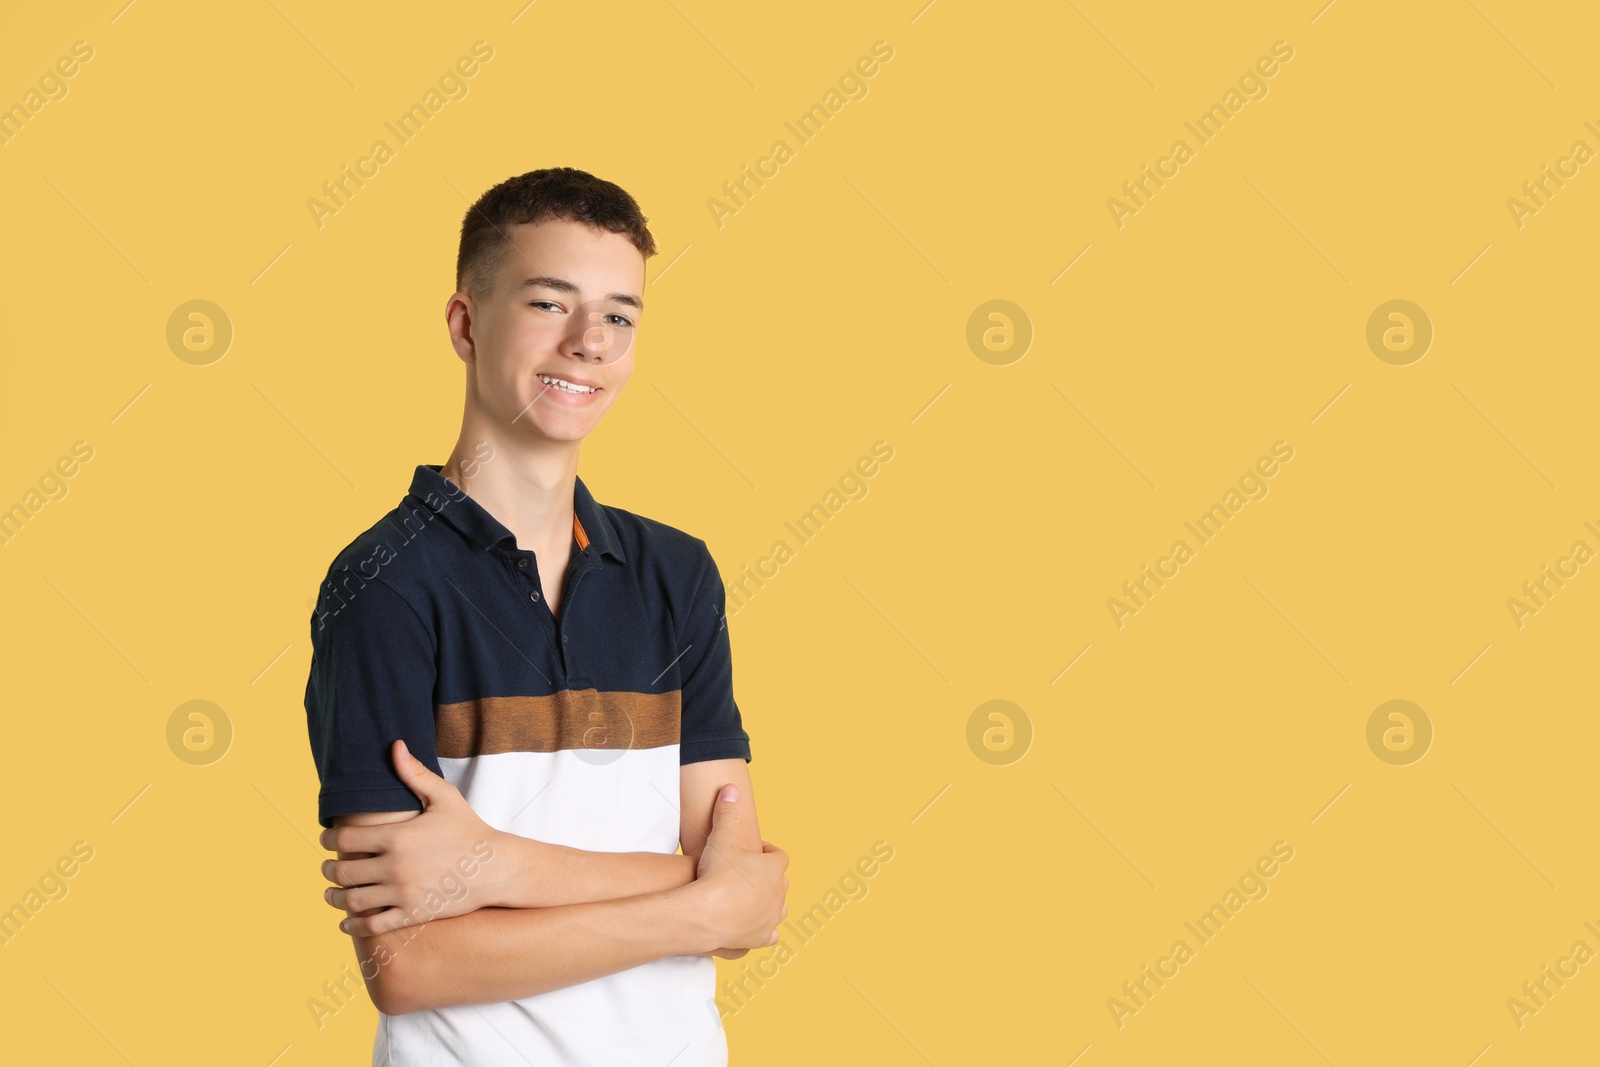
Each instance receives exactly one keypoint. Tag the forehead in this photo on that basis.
(596, 262)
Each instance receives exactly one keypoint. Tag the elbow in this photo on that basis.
(391, 981)
(384, 999)
(390, 1002)
(389, 997)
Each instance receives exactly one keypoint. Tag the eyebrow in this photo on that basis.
(561, 285)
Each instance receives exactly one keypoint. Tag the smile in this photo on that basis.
(567, 387)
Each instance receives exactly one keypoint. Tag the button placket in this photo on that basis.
(579, 566)
(533, 594)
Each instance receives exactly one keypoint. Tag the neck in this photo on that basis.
(528, 489)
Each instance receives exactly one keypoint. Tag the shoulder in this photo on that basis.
(652, 536)
(662, 554)
(398, 552)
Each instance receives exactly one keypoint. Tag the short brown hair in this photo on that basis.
(552, 192)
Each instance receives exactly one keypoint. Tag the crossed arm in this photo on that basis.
(535, 917)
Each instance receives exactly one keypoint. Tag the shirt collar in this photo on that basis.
(591, 528)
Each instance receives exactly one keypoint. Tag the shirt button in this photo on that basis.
(522, 563)
(563, 639)
(534, 595)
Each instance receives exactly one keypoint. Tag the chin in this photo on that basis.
(567, 429)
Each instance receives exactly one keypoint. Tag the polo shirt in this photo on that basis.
(432, 626)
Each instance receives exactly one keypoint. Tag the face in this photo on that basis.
(566, 305)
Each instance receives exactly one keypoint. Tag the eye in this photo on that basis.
(624, 322)
(544, 303)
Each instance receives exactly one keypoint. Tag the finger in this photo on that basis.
(725, 811)
(368, 839)
(417, 777)
(353, 872)
(380, 923)
(361, 898)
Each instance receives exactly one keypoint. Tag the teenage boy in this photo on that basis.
(521, 702)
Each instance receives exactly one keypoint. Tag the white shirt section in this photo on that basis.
(660, 1014)
(602, 800)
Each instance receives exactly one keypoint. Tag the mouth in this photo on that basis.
(562, 385)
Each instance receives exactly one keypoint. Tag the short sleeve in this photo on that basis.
(712, 727)
(371, 682)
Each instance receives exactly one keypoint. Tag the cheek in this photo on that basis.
(612, 394)
(522, 333)
(517, 349)
(621, 374)
(525, 338)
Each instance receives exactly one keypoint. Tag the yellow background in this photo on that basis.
(830, 312)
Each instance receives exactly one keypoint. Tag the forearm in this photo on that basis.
(499, 954)
(547, 875)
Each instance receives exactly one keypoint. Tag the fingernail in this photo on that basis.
(730, 792)
(344, 924)
(327, 894)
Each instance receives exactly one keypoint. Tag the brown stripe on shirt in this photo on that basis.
(570, 718)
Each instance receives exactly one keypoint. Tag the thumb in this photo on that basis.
(725, 814)
(417, 777)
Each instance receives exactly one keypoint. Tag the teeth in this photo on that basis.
(564, 386)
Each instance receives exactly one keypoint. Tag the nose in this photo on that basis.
(600, 341)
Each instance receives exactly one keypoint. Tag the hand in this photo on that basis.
(742, 890)
(740, 953)
(434, 866)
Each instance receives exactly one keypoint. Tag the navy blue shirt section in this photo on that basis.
(435, 605)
